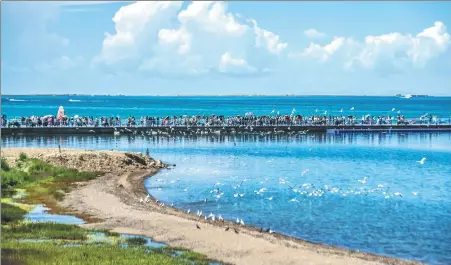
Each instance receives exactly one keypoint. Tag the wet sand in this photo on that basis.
(114, 199)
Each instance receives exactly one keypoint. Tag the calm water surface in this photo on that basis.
(359, 191)
(227, 105)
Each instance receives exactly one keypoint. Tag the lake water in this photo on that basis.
(228, 105)
(359, 191)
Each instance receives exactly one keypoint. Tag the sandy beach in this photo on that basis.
(114, 199)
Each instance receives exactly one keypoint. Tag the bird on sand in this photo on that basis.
(236, 231)
(227, 228)
(197, 225)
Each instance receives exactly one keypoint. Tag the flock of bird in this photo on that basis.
(238, 190)
(204, 131)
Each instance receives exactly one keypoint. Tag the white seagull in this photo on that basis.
(294, 200)
(363, 181)
(422, 161)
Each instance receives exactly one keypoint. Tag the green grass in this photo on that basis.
(44, 231)
(136, 241)
(49, 254)
(11, 213)
(45, 183)
(31, 170)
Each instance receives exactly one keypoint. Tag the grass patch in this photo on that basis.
(44, 253)
(31, 171)
(194, 256)
(44, 231)
(45, 183)
(11, 213)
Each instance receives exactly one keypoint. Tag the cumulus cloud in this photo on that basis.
(229, 64)
(314, 34)
(392, 50)
(204, 37)
(268, 39)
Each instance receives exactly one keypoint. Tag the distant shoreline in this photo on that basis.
(204, 95)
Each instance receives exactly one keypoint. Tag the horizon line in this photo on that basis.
(226, 95)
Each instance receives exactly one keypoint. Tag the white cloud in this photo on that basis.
(323, 52)
(229, 64)
(160, 37)
(268, 39)
(392, 50)
(314, 34)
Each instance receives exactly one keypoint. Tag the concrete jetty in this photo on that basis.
(202, 130)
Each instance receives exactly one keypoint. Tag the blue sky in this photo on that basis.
(169, 48)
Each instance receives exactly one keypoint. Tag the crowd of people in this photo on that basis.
(214, 120)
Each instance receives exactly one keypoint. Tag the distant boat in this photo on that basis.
(408, 96)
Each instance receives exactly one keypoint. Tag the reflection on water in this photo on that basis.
(433, 140)
(40, 214)
(360, 191)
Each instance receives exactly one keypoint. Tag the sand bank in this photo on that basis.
(114, 198)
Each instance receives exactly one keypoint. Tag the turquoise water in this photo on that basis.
(163, 106)
(331, 201)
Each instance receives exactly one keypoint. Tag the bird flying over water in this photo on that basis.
(422, 161)
(305, 172)
(363, 181)
(352, 108)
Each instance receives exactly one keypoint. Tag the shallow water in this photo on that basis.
(40, 214)
(149, 242)
(333, 207)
